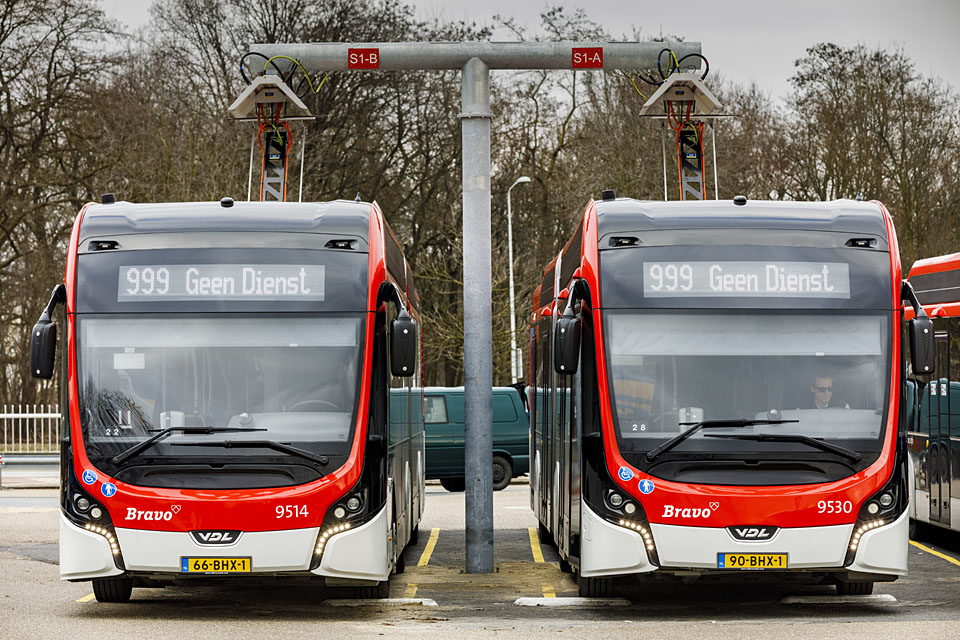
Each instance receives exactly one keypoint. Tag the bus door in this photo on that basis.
(564, 426)
(938, 422)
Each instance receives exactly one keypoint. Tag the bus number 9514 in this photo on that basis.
(291, 511)
(834, 506)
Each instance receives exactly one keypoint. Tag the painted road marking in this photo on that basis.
(411, 590)
(87, 598)
(876, 598)
(572, 602)
(535, 545)
(936, 553)
(548, 591)
(384, 602)
(428, 550)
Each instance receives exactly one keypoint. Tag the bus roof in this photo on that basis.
(339, 217)
(845, 216)
(937, 284)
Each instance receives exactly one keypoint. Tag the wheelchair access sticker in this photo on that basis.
(646, 486)
(89, 477)
(625, 474)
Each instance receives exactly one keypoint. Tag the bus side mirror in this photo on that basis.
(566, 343)
(403, 345)
(43, 338)
(43, 348)
(923, 351)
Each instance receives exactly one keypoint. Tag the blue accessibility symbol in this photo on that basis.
(89, 477)
(626, 474)
(646, 486)
(108, 489)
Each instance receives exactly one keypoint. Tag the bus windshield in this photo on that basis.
(827, 375)
(286, 379)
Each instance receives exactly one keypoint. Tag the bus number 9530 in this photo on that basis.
(834, 506)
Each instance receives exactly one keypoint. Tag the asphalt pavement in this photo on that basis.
(35, 604)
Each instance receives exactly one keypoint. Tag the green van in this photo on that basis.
(443, 424)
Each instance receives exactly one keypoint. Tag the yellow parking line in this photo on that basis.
(535, 545)
(548, 591)
(936, 553)
(411, 591)
(87, 598)
(428, 550)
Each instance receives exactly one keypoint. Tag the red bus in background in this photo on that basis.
(716, 387)
(242, 394)
(933, 434)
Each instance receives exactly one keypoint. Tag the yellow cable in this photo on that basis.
(629, 77)
(296, 62)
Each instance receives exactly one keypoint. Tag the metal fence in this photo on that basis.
(28, 428)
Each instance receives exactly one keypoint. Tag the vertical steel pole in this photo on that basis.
(477, 330)
(513, 311)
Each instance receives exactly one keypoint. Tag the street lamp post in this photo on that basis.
(514, 365)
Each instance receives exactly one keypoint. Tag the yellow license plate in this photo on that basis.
(215, 565)
(751, 561)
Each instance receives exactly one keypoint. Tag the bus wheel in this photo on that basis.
(502, 473)
(415, 535)
(914, 530)
(453, 484)
(565, 566)
(112, 589)
(544, 534)
(401, 564)
(594, 587)
(379, 592)
(854, 588)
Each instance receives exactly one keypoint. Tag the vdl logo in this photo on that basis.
(215, 537)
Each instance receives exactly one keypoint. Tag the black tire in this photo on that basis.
(565, 567)
(544, 534)
(112, 589)
(594, 587)
(453, 485)
(401, 564)
(914, 530)
(415, 535)
(502, 473)
(854, 588)
(379, 592)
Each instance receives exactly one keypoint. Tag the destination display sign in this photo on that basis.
(746, 279)
(181, 282)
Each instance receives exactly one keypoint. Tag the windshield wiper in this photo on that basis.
(653, 454)
(163, 433)
(791, 437)
(259, 444)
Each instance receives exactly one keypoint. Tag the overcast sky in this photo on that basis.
(746, 40)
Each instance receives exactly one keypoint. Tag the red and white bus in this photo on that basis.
(933, 436)
(242, 393)
(718, 388)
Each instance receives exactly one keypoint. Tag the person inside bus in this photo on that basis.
(822, 394)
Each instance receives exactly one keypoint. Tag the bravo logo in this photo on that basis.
(670, 511)
(136, 514)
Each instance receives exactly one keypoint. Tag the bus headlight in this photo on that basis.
(327, 534)
(873, 508)
(615, 499)
(82, 503)
(886, 500)
(629, 508)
